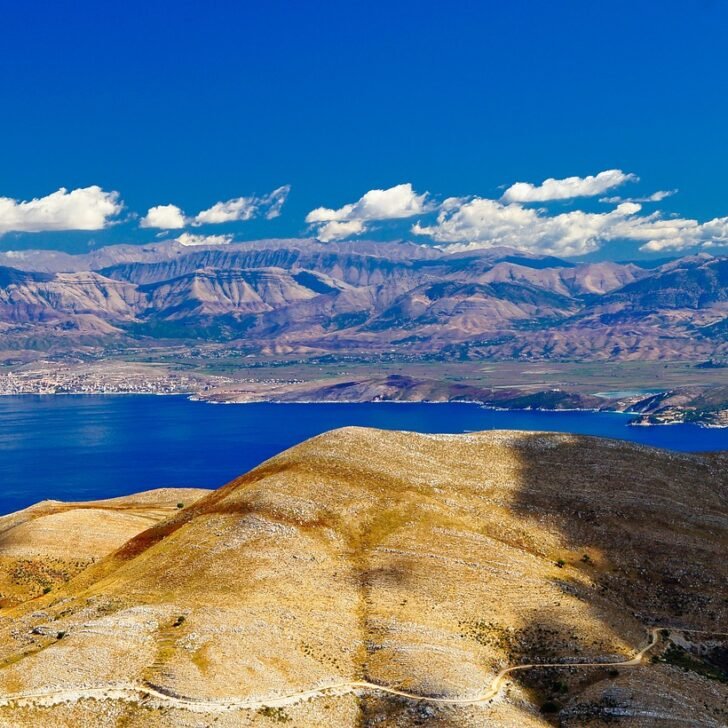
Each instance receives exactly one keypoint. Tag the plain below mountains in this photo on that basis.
(301, 296)
(371, 578)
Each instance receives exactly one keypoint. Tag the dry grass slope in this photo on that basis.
(425, 563)
(49, 543)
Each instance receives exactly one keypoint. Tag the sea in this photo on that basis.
(86, 447)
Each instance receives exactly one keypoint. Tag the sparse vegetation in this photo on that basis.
(680, 657)
(278, 715)
(535, 641)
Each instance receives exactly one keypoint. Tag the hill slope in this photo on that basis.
(422, 563)
(47, 544)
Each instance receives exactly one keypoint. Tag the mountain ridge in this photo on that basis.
(365, 296)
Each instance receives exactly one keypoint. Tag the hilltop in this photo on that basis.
(423, 564)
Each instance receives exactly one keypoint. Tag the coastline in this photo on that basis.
(637, 420)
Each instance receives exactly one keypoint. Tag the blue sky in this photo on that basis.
(194, 104)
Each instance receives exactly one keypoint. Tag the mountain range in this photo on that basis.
(309, 297)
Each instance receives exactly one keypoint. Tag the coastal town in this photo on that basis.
(119, 378)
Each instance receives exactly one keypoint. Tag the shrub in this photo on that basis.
(276, 714)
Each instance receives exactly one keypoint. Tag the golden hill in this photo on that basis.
(424, 564)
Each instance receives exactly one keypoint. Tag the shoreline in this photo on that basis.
(194, 397)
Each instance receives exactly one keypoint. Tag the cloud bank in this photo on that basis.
(466, 223)
(455, 223)
(85, 208)
(483, 223)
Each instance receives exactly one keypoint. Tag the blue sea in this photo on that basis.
(76, 447)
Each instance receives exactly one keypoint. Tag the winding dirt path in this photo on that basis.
(140, 693)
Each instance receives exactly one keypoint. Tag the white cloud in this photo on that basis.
(85, 208)
(658, 196)
(244, 208)
(567, 188)
(275, 201)
(394, 203)
(483, 223)
(190, 239)
(339, 229)
(169, 217)
(241, 208)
